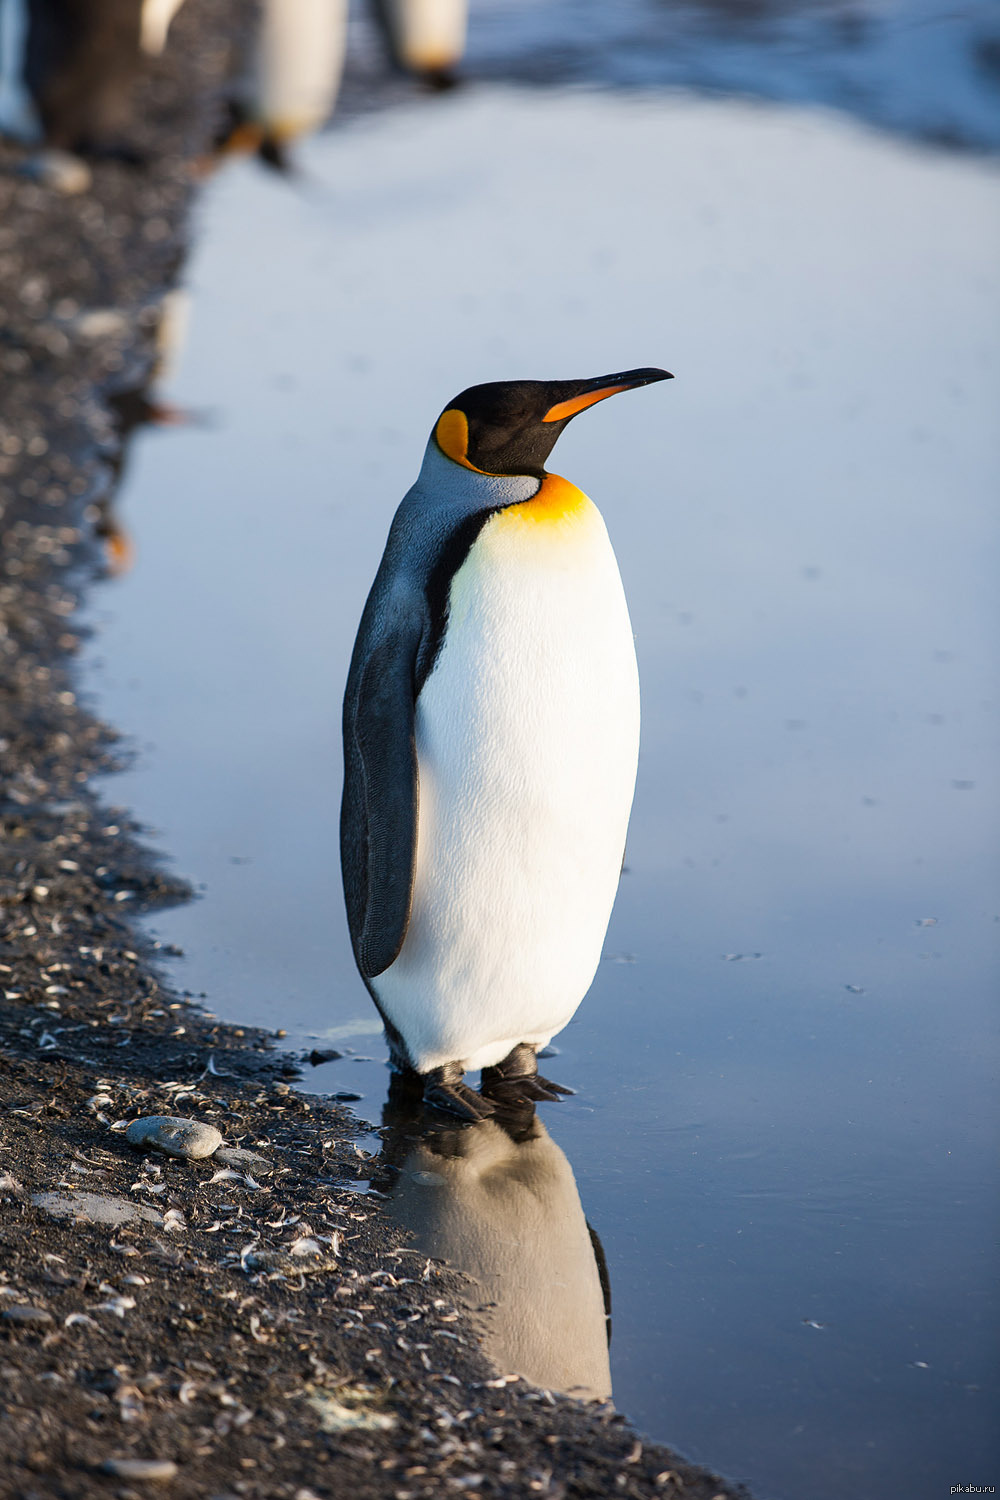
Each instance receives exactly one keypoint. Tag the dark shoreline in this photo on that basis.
(156, 1337)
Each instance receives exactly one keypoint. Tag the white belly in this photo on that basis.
(527, 740)
(428, 33)
(300, 58)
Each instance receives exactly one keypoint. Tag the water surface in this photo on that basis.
(783, 1130)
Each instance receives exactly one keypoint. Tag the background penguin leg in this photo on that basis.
(445, 1089)
(516, 1079)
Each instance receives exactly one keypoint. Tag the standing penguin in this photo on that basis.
(426, 37)
(82, 60)
(292, 81)
(491, 732)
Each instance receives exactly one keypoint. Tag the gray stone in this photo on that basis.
(243, 1161)
(25, 1316)
(151, 1469)
(175, 1136)
(95, 1208)
(59, 170)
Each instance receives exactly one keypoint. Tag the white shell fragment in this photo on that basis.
(117, 1305)
(175, 1136)
(150, 1469)
(352, 1408)
(307, 1257)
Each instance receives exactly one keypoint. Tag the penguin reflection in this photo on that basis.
(130, 409)
(133, 408)
(498, 1201)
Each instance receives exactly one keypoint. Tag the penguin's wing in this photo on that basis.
(379, 812)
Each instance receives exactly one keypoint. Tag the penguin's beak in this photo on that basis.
(588, 392)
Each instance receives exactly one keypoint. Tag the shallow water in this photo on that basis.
(783, 1120)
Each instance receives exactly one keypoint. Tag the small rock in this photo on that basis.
(318, 1056)
(243, 1161)
(59, 170)
(428, 1179)
(344, 1096)
(94, 1208)
(152, 1469)
(25, 1316)
(177, 1137)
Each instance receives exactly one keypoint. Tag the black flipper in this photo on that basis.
(379, 813)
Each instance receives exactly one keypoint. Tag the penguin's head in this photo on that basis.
(511, 426)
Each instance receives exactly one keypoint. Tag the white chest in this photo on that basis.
(533, 704)
(527, 740)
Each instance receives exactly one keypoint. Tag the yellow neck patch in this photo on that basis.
(558, 501)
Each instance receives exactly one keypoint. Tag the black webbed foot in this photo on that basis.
(512, 1092)
(516, 1080)
(445, 1089)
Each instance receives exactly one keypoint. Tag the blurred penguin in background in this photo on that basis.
(292, 81)
(426, 37)
(79, 63)
(498, 1200)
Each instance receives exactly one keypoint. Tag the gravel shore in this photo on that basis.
(215, 1326)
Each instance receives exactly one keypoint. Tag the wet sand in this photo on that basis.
(155, 1309)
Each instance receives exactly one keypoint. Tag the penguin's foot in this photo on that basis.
(516, 1080)
(445, 1089)
(439, 80)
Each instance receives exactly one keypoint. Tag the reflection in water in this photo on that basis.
(498, 1200)
(133, 408)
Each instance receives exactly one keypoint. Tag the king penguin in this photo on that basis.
(425, 37)
(292, 81)
(81, 64)
(491, 734)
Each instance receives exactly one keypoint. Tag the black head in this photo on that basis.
(510, 426)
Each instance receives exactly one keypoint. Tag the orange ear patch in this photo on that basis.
(452, 436)
(563, 409)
